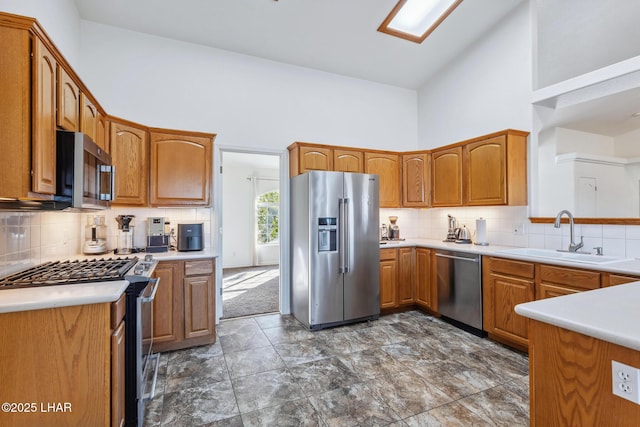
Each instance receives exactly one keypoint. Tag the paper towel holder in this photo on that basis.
(484, 232)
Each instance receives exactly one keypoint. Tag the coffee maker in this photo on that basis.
(157, 234)
(125, 234)
(452, 233)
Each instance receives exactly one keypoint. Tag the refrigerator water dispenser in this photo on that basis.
(327, 232)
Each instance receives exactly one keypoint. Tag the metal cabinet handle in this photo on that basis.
(150, 298)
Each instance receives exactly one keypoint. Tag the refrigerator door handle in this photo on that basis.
(341, 235)
(347, 233)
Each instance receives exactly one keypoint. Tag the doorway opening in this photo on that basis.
(251, 234)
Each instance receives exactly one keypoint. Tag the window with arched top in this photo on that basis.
(267, 214)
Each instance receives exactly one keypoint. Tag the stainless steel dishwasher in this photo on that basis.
(460, 289)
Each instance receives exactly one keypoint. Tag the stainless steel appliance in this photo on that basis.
(84, 174)
(460, 289)
(190, 237)
(157, 235)
(335, 255)
(463, 235)
(140, 364)
(451, 232)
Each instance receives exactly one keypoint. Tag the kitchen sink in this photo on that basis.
(560, 255)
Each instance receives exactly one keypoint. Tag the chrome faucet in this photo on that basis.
(573, 247)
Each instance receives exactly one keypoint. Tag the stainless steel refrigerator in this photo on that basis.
(335, 252)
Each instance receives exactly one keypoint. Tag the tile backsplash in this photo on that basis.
(31, 238)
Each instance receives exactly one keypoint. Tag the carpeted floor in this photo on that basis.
(251, 290)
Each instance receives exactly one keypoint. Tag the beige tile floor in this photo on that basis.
(406, 369)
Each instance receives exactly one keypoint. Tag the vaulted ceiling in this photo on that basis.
(336, 36)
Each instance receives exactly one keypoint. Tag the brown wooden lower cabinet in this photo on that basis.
(67, 361)
(406, 275)
(426, 294)
(570, 377)
(184, 306)
(611, 279)
(388, 278)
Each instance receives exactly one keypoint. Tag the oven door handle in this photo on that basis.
(156, 282)
(147, 397)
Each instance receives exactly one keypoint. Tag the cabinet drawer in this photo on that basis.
(387, 254)
(117, 311)
(513, 268)
(199, 267)
(582, 279)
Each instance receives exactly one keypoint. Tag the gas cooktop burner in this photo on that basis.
(69, 272)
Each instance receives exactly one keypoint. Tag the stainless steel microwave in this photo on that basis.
(84, 174)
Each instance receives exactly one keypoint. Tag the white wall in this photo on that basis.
(485, 90)
(237, 217)
(59, 18)
(247, 101)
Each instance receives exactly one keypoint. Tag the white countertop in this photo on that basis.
(611, 314)
(631, 266)
(60, 296)
(82, 293)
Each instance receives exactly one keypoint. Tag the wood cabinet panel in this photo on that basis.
(60, 354)
(315, 159)
(416, 180)
(570, 377)
(129, 154)
(513, 268)
(199, 315)
(117, 376)
(348, 161)
(387, 167)
(446, 177)
(102, 135)
(406, 275)
(68, 102)
(167, 304)
(484, 172)
(507, 293)
(550, 290)
(89, 118)
(611, 279)
(426, 289)
(180, 169)
(571, 277)
(388, 283)
(44, 119)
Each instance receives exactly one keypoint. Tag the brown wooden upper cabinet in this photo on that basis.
(348, 161)
(68, 101)
(304, 158)
(416, 180)
(93, 122)
(446, 173)
(130, 156)
(102, 133)
(180, 173)
(387, 167)
(495, 170)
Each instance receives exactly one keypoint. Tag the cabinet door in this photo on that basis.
(504, 293)
(199, 309)
(315, 159)
(425, 285)
(550, 290)
(387, 167)
(446, 177)
(129, 154)
(348, 161)
(484, 172)
(102, 136)
(88, 118)
(44, 120)
(117, 376)
(388, 283)
(406, 275)
(167, 305)
(68, 102)
(610, 279)
(416, 180)
(180, 170)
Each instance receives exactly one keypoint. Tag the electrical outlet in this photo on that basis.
(626, 381)
(518, 229)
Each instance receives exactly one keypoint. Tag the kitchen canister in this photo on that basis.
(481, 232)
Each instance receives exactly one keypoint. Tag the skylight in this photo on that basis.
(414, 20)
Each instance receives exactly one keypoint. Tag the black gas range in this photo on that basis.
(140, 363)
